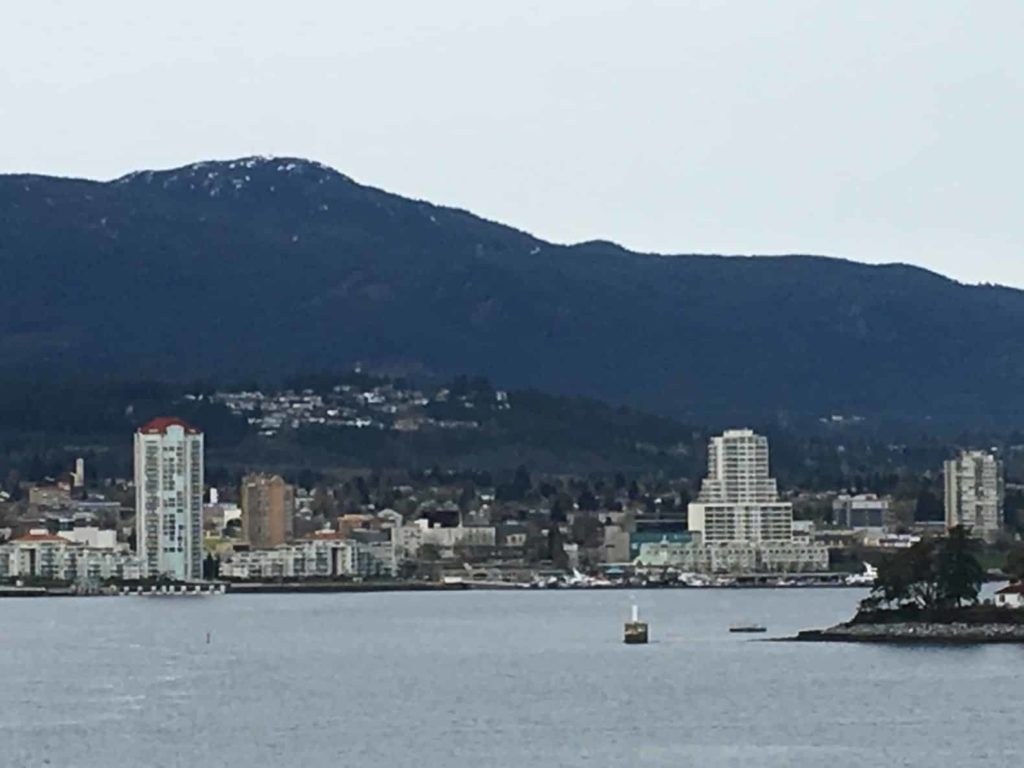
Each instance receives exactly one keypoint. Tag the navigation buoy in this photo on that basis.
(636, 630)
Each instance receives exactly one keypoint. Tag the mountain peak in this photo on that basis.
(218, 176)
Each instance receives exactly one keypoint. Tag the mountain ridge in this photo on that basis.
(264, 264)
(251, 161)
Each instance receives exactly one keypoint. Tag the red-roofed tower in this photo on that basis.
(169, 498)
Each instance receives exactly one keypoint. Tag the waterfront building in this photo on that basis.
(891, 540)
(411, 538)
(1011, 596)
(738, 522)
(169, 499)
(268, 510)
(407, 540)
(615, 544)
(366, 559)
(863, 511)
(262, 564)
(974, 493)
(739, 500)
(802, 556)
(325, 555)
(736, 557)
(38, 554)
(511, 534)
(638, 538)
(738, 469)
(42, 555)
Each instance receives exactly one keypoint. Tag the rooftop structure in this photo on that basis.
(162, 424)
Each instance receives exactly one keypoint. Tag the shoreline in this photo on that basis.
(917, 633)
(824, 636)
(253, 588)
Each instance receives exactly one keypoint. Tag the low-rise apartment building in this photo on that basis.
(41, 555)
(321, 557)
(735, 557)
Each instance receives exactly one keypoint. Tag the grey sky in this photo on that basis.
(878, 131)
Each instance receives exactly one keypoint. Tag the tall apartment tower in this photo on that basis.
(169, 499)
(268, 509)
(739, 500)
(974, 493)
(738, 469)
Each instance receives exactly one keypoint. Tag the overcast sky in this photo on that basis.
(877, 131)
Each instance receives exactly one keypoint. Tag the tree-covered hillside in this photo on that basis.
(275, 266)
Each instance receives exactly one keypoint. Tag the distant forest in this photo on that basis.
(45, 425)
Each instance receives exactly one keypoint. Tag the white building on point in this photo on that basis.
(1011, 596)
(169, 499)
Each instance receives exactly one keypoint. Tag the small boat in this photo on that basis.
(865, 579)
(748, 628)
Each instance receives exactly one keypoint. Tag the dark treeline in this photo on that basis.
(45, 423)
(76, 407)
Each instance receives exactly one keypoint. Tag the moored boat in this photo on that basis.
(748, 628)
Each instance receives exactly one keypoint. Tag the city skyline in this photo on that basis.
(468, 384)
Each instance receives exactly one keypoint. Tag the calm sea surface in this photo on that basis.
(487, 680)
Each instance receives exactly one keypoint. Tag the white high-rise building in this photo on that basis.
(974, 493)
(169, 499)
(739, 500)
(738, 469)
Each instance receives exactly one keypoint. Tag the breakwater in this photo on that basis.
(975, 624)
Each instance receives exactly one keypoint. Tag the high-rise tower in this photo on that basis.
(268, 507)
(739, 500)
(738, 469)
(974, 493)
(169, 499)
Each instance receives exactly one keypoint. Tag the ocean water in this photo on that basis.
(488, 680)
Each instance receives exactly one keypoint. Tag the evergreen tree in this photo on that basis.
(556, 548)
(587, 501)
(557, 512)
(1015, 563)
(960, 575)
(931, 574)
